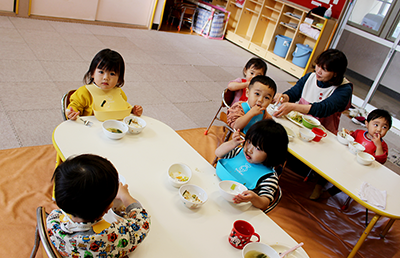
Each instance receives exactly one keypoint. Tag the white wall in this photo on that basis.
(7, 5)
(75, 9)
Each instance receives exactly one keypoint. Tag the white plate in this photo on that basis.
(282, 248)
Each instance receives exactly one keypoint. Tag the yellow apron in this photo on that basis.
(108, 104)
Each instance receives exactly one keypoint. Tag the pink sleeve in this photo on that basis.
(234, 113)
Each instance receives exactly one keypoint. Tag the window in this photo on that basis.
(378, 17)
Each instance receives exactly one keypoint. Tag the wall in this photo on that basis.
(7, 5)
(366, 58)
(337, 5)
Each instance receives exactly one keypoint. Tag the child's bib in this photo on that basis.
(255, 119)
(108, 104)
(240, 170)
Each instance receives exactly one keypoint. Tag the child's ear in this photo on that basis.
(247, 92)
(366, 123)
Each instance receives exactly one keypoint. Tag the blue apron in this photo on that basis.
(238, 169)
(255, 119)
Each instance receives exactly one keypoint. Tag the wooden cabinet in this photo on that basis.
(255, 25)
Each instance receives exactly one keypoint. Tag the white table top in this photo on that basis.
(175, 231)
(338, 165)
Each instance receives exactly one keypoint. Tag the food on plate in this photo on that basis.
(295, 116)
(191, 197)
(255, 254)
(178, 176)
(114, 130)
(134, 123)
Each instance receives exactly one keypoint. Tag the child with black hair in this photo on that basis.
(378, 123)
(265, 147)
(102, 92)
(85, 188)
(260, 93)
(255, 66)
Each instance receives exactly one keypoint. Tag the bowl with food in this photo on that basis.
(179, 174)
(192, 196)
(344, 138)
(364, 158)
(306, 134)
(290, 133)
(259, 250)
(355, 147)
(114, 129)
(309, 121)
(135, 124)
(229, 189)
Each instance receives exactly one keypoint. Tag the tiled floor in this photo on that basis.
(177, 78)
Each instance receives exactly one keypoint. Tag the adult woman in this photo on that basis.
(324, 93)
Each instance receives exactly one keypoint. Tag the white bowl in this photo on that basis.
(344, 140)
(114, 124)
(355, 147)
(365, 158)
(179, 174)
(135, 124)
(229, 189)
(259, 247)
(193, 191)
(291, 135)
(306, 134)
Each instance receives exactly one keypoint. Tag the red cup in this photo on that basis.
(241, 234)
(319, 134)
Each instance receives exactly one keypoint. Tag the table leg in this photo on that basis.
(364, 236)
(386, 229)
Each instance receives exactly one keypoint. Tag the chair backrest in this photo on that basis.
(65, 102)
(227, 97)
(48, 248)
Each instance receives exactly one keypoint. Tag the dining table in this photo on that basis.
(176, 231)
(333, 161)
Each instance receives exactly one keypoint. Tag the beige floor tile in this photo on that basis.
(22, 71)
(8, 136)
(69, 28)
(195, 59)
(170, 115)
(10, 35)
(210, 90)
(6, 23)
(135, 33)
(102, 30)
(200, 112)
(65, 71)
(215, 73)
(43, 38)
(116, 42)
(31, 24)
(179, 92)
(88, 52)
(136, 56)
(154, 72)
(167, 58)
(16, 51)
(89, 40)
(62, 53)
(144, 93)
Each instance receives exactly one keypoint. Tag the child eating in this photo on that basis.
(85, 188)
(265, 146)
(260, 93)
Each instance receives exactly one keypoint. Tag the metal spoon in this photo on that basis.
(281, 255)
(85, 122)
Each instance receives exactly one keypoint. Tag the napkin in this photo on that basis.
(372, 195)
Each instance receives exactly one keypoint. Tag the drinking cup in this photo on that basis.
(241, 234)
(319, 134)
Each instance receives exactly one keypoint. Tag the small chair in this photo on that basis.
(41, 236)
(227, 98)
(65, 102)
(183, 11)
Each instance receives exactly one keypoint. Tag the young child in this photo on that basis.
(85, 188)
(102, 91)
(265, 146)
(260, 93)
(254, 67)
(378, 123)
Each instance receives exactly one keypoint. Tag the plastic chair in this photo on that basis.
(65, 102)
(183, 11)
(41, 236)
(227, 98)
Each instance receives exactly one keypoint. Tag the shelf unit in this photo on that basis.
(254, 26)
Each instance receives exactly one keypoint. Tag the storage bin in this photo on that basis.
(282, 44)
(301, 55)
(217, 24)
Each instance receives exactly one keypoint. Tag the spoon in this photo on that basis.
(85, 122)
(281, 255)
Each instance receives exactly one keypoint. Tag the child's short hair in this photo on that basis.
(85, 186)
(270, 137)
(264, 80)
(109, 60)
(333, 60)
(257, 63)
(378, 113)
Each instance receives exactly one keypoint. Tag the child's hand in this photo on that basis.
(246, 196)
(72, 114)
(285, 109)
(237, 138)
(137, 110)
(124, 196)
(256, 110)
(376, 138)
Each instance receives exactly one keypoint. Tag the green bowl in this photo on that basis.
(310, 122)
